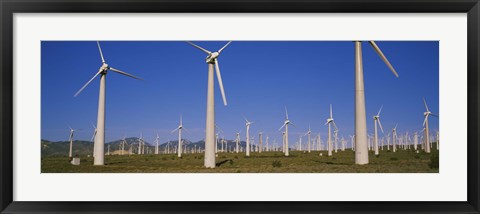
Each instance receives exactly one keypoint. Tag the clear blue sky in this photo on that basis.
(260, 79)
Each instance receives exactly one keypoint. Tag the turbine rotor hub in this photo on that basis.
(212, 57)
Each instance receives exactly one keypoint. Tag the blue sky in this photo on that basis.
(260, 79)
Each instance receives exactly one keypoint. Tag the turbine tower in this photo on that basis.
(237, 141)
(71, 142)
(394, 138)
(212, 61)
(99, 157)
(247, 149)
(329, 122)
(93, 139)
(179, 128)
(361, 147)
(308, 133)
(285, 124)
(260, 142)
(157, 140)
(425, 124)
(376, 120)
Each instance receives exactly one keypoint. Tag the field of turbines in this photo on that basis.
(350, 146)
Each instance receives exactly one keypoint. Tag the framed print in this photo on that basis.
(268, 106)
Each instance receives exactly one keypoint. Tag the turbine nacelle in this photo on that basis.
(212, 57)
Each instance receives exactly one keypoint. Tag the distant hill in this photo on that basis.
(84, 148)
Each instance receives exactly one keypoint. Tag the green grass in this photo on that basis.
(402, 161)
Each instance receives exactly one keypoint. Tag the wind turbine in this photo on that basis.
(93, 138)
(71, 142)
(308, 133)
(376, 120)
(329, 122)
(425, 124)
(237, 141)
(260, 142)
(157, 141)
(212, 61)
(266, 142)
(123, 145)
(247, 149)
(394, 138)
(140, 144)
(179, 128)
(361, 147)
(285, 124)
(99, 157)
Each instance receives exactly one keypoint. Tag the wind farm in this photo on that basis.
(133, 131)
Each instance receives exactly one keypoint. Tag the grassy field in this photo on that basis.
(402, 161)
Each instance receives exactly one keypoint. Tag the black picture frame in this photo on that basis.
(9, 7)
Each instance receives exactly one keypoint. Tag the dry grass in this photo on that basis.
(403, 161)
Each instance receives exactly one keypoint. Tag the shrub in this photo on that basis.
(394, 159)
(277, 163)
(416, 157)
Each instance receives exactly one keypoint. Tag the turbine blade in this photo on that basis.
(183, 128)
(124, 73)
(379, 111)
(221, 49)
(220, 83)
(424, 121)
(435, 115)
(202, 49)
(81, 89)
(175, 130)
(245, 119)
(281, 127)
(425, 102)
(286, 112)
(380, 123)
(292, 124)
(380, 53)
(101, 54)
(334, 125)
(331, 114)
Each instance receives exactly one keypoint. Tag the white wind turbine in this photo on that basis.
(179, 128)
(361, 147)
(376, 120)
(157, 140)
(425, 124)
(329, 121)
(260, 142)
(394, 138)
(212, 61)
(266, 142)
(72, 131)
(123, 145)
(308, 133)
(140, 144)
(99, 157)
(285, 124)
(237, 141)
(247, 124)
(93, 139)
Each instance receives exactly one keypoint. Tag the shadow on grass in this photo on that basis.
(222, 162)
